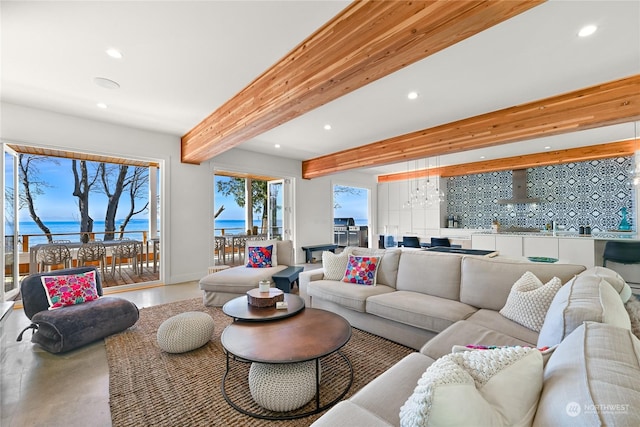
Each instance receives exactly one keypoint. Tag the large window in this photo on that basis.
(70, 198)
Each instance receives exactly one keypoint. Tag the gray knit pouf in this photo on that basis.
(282, 387)
(185, 332)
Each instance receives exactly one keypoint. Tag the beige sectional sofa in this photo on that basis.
(225, 285)
(589, 377)
(419, 294)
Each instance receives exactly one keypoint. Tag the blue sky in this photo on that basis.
(57, 203)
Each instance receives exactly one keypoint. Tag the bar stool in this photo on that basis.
(621, 252)
(440, 241)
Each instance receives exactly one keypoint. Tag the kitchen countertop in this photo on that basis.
(606, 235)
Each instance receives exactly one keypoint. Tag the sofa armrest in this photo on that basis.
(303, 280)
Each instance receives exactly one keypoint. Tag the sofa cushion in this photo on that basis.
(494, 320)
(388, 392)
(261, 257)
(486, 282)
(347, 413)
(388, 270)
(614, 279)
(466, 332)
(334, 265)
(70, 289)
(430, 273)
(592, 379)
(584, 298)
(477, 388)
(362, 270)
(271, 252)
(419, 310)
(348, 295)
(237, 279)
(529, 300)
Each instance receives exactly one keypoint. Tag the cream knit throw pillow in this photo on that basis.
(529, 300)
(498, 387)
(335, 265)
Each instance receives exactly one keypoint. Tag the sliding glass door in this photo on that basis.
(10, 259)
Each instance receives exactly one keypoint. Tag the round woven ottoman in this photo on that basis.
(282, 387)
(185, 332)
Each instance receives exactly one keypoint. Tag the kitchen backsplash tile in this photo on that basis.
(572, 194)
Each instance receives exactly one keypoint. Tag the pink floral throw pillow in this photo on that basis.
(361, 270)
(70, 290)
(259, 256)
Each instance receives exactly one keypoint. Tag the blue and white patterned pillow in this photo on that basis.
(259, 256)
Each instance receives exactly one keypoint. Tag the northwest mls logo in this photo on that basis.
(573, 409)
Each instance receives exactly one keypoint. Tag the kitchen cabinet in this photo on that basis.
(577, 251)
(540, 247)
(509, 246)
(483, 241)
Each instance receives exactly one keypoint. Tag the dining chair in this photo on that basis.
(621, 252)
(127, 251)
(440, 241)
(93, 252)
(410, 242)
(53, 255)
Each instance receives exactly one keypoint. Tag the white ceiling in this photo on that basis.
(184, 59)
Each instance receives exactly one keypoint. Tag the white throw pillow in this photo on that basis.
(497, 387)
(260, 243)
(529, 300)
(334, 265)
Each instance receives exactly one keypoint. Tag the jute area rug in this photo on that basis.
(148, 387)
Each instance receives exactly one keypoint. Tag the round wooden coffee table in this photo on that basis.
(240, 309)
(310, 335)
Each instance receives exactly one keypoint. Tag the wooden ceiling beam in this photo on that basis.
(570, 155)
(366, 41)
(596, 106)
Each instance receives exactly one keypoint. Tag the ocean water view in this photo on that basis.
(30, 228)
(236, 226)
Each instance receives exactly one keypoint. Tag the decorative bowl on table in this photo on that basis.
(542, 259)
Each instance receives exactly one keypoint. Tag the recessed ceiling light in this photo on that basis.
(114, 53)
(547, 147)
(106, 83)
(101, 105)
(587, 30)
(412, 95)
(327, 127)
(277, 145)
(482, 157)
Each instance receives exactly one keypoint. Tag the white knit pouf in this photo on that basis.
(185, 332)
(282, 387)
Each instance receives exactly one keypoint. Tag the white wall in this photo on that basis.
(187, 219)
(187, 201)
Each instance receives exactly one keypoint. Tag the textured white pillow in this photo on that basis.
(335, 265)
(529, 300)
(260, 243)
(497, 387)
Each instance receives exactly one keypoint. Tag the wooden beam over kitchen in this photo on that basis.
(366, 41)
(555, 157)
(596, 106)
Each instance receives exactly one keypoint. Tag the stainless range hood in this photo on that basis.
(519, 184)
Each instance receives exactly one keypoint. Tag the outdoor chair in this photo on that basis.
(127, 251)
(53, 255)
(239, 244)
(93, 252)
(72, 326)
(220, 247)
